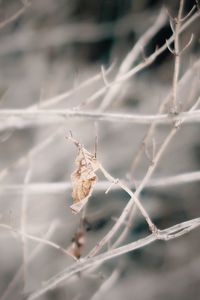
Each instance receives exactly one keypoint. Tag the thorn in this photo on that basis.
(143, 54)
(170, 49)
(188, 44)
(171, 25)
(171, 20)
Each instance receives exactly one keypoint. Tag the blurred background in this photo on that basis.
(58, 48)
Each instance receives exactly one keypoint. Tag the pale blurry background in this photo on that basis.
(51, 48)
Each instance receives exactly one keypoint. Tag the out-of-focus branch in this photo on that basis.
(32, 255)
(34, 238)
(100, 186)
(57, 99)
(174, 107)
(156, 53)
(33, 152)
(131, 57)
(83, 32)
(23, 221)
(22, 118)
(14, 16)
(106, 285)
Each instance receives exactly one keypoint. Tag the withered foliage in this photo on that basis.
(83, 178)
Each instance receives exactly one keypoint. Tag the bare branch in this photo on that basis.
(35, 238)
(171, 232)
(38, 248)
(174, 107)
(24, 222)
(13, 17)
(20, 118)
(131, 58)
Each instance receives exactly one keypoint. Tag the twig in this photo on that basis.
(132, 195)
(131, 58)
(55, 100)
(62, 187)
(123, 77)
(173, 232)
(32, 255)
(19, 118)
(129, 206)
(156, 53)
(13, 17)
(34, 238)
(33, 152)
(148, 175)
(24, 222)
(174, 107)
(106, 285)
(152, 127)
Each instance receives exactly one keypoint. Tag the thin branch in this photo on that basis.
(133, 197)
(130, 205)
(149, 172)
(13, 17)
(132, 57)
(123, 77)
(24, 222)
(174, 105)
(35, 238)
(173, 232)
(189, 14)
(74, 32)
(57, 99)
(106, 285)
(32, 255)
(33, 152)
(100, 186)
(152, 127)
(20, 118)
(155, 54)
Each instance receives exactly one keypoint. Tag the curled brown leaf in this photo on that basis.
(83, 178)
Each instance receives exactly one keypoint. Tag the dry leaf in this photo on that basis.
(83, 178)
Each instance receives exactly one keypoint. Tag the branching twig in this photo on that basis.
(131, 58)
(172, 232)
(152, 127)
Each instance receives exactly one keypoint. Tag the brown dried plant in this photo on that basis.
(83, 178)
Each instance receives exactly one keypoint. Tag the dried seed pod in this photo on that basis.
(83, 178)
